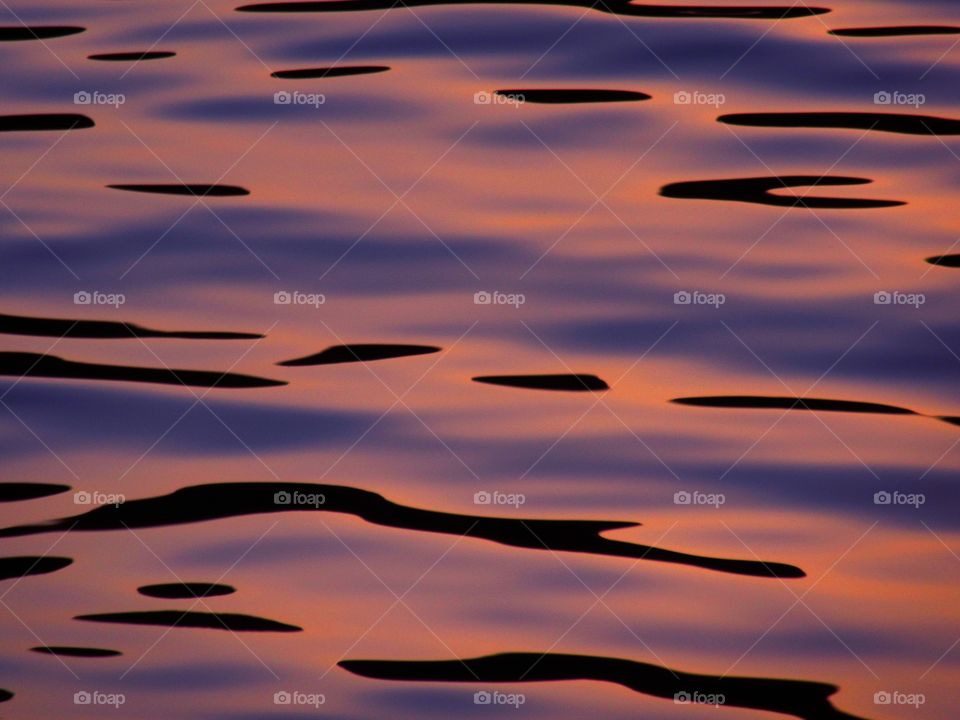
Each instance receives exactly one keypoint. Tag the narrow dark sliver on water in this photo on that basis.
(178, 591)
(77, 652)
(17, 491)
(193, 190)
(234, 622)
(201, 503)
(759, 190)
(615, 7)
(761, 402)
(360, 352)
(951, 261)
(561, 96)
(5, 695)
(49, 366)
(562, 383)
(799, 698)
(44, 122)
(27, 565)
(881, 122)
(17, 33)
(329, 72)
(133, 56)
(105, 329)
(896, 31)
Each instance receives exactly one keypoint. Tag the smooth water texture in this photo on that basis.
(362, 360)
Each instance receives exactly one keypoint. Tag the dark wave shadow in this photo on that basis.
(49, 366)
(360, 352)
(905, 124)
(565, 382)
(200, 503)
(5, 695)
(190, 619)
(559, 96)
(762, 402)
(759, 190)
(339, 71)
(27, 565)
(188, 591)
(896, 31)
(44, 121)
(104, 329)
(191, 189)
(132, 56)
(81, 652)
(16, 491)
(16, 33)
(614, 7)
(950, 261)
(800, 698)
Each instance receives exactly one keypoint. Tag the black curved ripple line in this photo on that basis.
(615, 7)
(903, 123)
(215, 501)
(800, 698)
(234, 622)
(49, 366)
(759, 190)
(26, 565)
(773, 402)
(104, 329)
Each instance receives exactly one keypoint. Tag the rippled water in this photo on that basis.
(327, 366)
